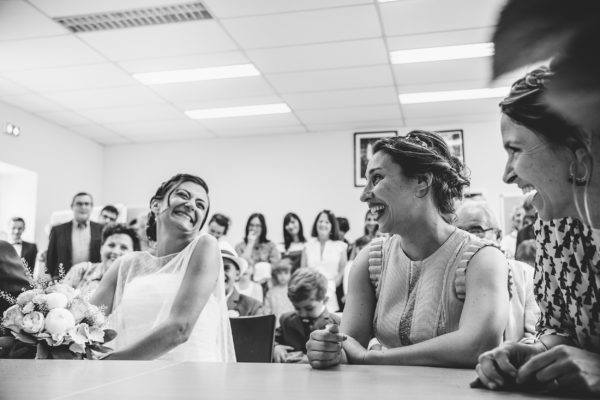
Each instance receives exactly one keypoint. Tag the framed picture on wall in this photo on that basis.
(363, 151)
(454, 139)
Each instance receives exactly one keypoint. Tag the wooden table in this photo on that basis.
(90, 380)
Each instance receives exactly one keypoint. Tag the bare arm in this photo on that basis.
(304, 260)
(482, 321)
(105, 293)
(342, 266)
(197, 285)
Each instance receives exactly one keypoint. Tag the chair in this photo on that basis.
(253, 337)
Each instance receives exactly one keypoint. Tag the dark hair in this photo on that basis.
(287, 238)
(334, 234)
(343, 224)
(424, 152)
(163, 190)
(81, 194)
(304, 282)
(526, 105)
(263, 232)
(366, 230)
(110, 209)
(285, 264)
(114, 229)
(526, 251)
(222, 220)
(18, 219)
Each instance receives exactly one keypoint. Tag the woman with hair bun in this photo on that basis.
(171, 305)
(402, 288)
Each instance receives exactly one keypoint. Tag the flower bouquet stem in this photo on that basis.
(46, 352)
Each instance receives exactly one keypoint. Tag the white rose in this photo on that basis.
(79, 309)
(62, 288)
(33, 322)
(56, 300)
(12, 317)
(27, 308)
(39, 299)
(59, 321)
(26, 297)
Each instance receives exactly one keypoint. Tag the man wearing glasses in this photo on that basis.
(75, 241)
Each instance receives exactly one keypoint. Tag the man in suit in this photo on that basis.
(239, 305)
(12, 274)
(75, 241)
(24, 249)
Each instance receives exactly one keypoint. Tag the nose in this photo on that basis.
(366, 195)
(509, 173)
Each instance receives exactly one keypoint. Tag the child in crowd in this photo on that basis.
(276, 300)
(248, 287)
(307, 290)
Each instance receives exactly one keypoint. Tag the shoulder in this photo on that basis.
(288, 317)
(62, 227)
(339, 244)
(250, 301)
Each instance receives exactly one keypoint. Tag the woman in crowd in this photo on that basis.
(371, 229)
(293, 239)
(555, 157)
(326, 253)
(257, 249)
(402, 288)
(117, 239)
(171, 305)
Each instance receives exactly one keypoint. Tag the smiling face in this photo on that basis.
(371, 222)
(255, 226)
(533, 163)
(184, 208)
(293, 227)
(389, 194)
(231, 274)
(323, 226)
(115, 246)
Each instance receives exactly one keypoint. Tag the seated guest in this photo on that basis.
(402, 288)
(527, 231)
(218, 225)
(25, 250)
(508, 244)
(293, 239)
(526, 252)
(256, 247)
(276, 300)
(326, 253)
(140, 224)
(246, 285)
(75, 241)
(308, 293)
(559, 160)
(478, 218)
(117, 239)
(239, 305)
(108, 215)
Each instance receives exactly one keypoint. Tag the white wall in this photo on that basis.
(303, 173)
(65, 163)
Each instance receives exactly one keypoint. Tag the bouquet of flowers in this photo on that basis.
(54, 317)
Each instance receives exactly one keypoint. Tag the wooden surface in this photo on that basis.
(90, 380)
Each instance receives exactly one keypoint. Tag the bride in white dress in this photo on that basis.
(171, 306)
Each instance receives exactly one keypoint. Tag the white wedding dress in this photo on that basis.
(146, 288)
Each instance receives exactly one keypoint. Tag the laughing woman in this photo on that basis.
(171, 305)
(402, 288)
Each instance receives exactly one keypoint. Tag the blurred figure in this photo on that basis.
(25, 250)
(108, 215)
(12, 275)
(293, 239)
(371, 228)
(140, 224)
(508, 244)
(276, 300)
(218, 225)
(526, 252)
(530, 214)
(238, 304)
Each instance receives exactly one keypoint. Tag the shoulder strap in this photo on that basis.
(376, 262)
(471, 248)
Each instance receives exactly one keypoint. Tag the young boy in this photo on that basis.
(307, 290)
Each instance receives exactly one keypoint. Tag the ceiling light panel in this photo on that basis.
(453, 95)
(457, 52)
(246, 111)
(197, 74)
(351, 23)
(251, 122)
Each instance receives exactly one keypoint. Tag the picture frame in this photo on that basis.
(455, 140)
(363, 141)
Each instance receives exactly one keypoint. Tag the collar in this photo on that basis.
(81, 225)
(19, 242)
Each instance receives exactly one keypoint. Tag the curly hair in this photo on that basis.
(423, 152)
(304, 282)
(114, 229)
(164, 190)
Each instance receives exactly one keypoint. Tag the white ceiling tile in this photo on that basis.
(172, 136)
(185, 62)
(256, 122)
(106, 98)
(451, 108)
(244, 131)
(231, 102)
(349, 114)
(334, 24)
(19, 20)
(342, 98)
(320, 56)
(132, 114)
(438, 39)
(57, 51)
(32, 103)
(160, 41)
(60, 8)
(446, 86)
(204, 91)
(411, 16)
(92, 131)
(94, 76)
(243, 8)
(113, 140)
(154, 128)
(443, 71)
(457, 121)
(64, 118)
(8, 88)
(358, 126)
(334, 79)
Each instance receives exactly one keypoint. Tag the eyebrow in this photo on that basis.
(371, 171)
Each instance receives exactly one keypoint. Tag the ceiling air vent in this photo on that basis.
(134, 17)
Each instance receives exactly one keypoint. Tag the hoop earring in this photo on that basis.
(579, 181)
